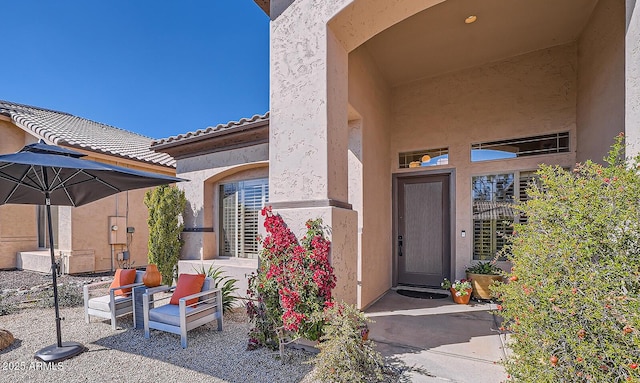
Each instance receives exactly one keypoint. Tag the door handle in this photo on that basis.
(399, 246)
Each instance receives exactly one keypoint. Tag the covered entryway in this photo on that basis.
(422, 76)
(423, 212)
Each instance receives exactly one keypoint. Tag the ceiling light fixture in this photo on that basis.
(470, 19)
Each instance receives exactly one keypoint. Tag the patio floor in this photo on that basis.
(447, 341)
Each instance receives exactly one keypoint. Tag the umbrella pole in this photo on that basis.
(59, 351)
(54, 273)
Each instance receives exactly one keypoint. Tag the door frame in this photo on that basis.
(452, 218)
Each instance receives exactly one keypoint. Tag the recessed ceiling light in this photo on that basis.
(470, 19)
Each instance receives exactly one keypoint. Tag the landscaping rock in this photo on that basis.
(6, 339)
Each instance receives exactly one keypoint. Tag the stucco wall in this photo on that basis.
(518, 97)
(308, 131)
(632, 72)
(205, 174)
(83, 232)
(601, 81)
(17, 222)
(370, 96)
(308, 77)
(90, 231)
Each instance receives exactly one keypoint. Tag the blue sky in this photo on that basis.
(158, 68)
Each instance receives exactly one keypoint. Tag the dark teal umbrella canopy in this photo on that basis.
(42, 174)
(28, 175)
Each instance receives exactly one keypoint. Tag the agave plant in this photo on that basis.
(223, 282)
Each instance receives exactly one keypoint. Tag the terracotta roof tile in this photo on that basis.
(70, 130)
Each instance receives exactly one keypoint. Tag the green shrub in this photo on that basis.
(572, 297)
(6, 307)
(488, 268)
(344, 356)
(224, 282)
(166, 205)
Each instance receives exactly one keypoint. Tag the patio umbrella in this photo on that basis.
(42, 174)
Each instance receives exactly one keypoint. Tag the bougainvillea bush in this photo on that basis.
(293, 283)
(571, 302)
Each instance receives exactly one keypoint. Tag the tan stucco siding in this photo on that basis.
(601, 78)
(91, 232)
(308, 131)
(17, 222)
(308, 78)
(370, 96)
(17, 232)
(205, 173)
(518, 97)
(363, 19)
(632, 76)
(83, 232)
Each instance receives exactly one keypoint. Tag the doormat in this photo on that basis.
(422, 294)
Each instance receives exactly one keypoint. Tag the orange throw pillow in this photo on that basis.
(187, 284)
(123, 277)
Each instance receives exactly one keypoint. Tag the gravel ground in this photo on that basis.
(125, 355)
(15, 279)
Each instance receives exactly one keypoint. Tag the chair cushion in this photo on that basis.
(102, 303)
(188, 284)
(170, 314)
(123, 277)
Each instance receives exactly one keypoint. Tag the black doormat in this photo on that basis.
(422, 294)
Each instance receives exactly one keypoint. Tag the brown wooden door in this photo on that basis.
(423, 243)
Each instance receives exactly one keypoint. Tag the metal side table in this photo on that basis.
(138, 312)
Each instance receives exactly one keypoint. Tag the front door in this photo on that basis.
(423, 242)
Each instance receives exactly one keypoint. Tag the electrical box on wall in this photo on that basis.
(117, 226)
(131, 230)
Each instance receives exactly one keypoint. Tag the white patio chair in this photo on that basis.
(109, 306)
(180, 318)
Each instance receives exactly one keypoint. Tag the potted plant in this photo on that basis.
(483, 275)
(460, 290)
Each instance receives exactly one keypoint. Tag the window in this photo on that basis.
(493, 214)
(240, 204)
(427, 157)
(520, 147)
(43, 230)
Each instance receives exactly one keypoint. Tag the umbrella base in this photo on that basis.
(54, 353)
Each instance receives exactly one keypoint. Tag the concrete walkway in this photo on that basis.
(446, 341)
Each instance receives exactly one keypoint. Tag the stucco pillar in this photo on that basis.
(308, 133)
(308, 119)
(632, 78)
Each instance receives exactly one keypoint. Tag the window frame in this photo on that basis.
(493, 146)
(240, 242)
(405, 159)
(495, 248)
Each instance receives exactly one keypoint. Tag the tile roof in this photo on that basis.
(66, 129)
(230, 127)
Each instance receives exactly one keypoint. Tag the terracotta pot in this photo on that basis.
(462, 299)
(365, 334)
(152, 277)
(481, 283)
